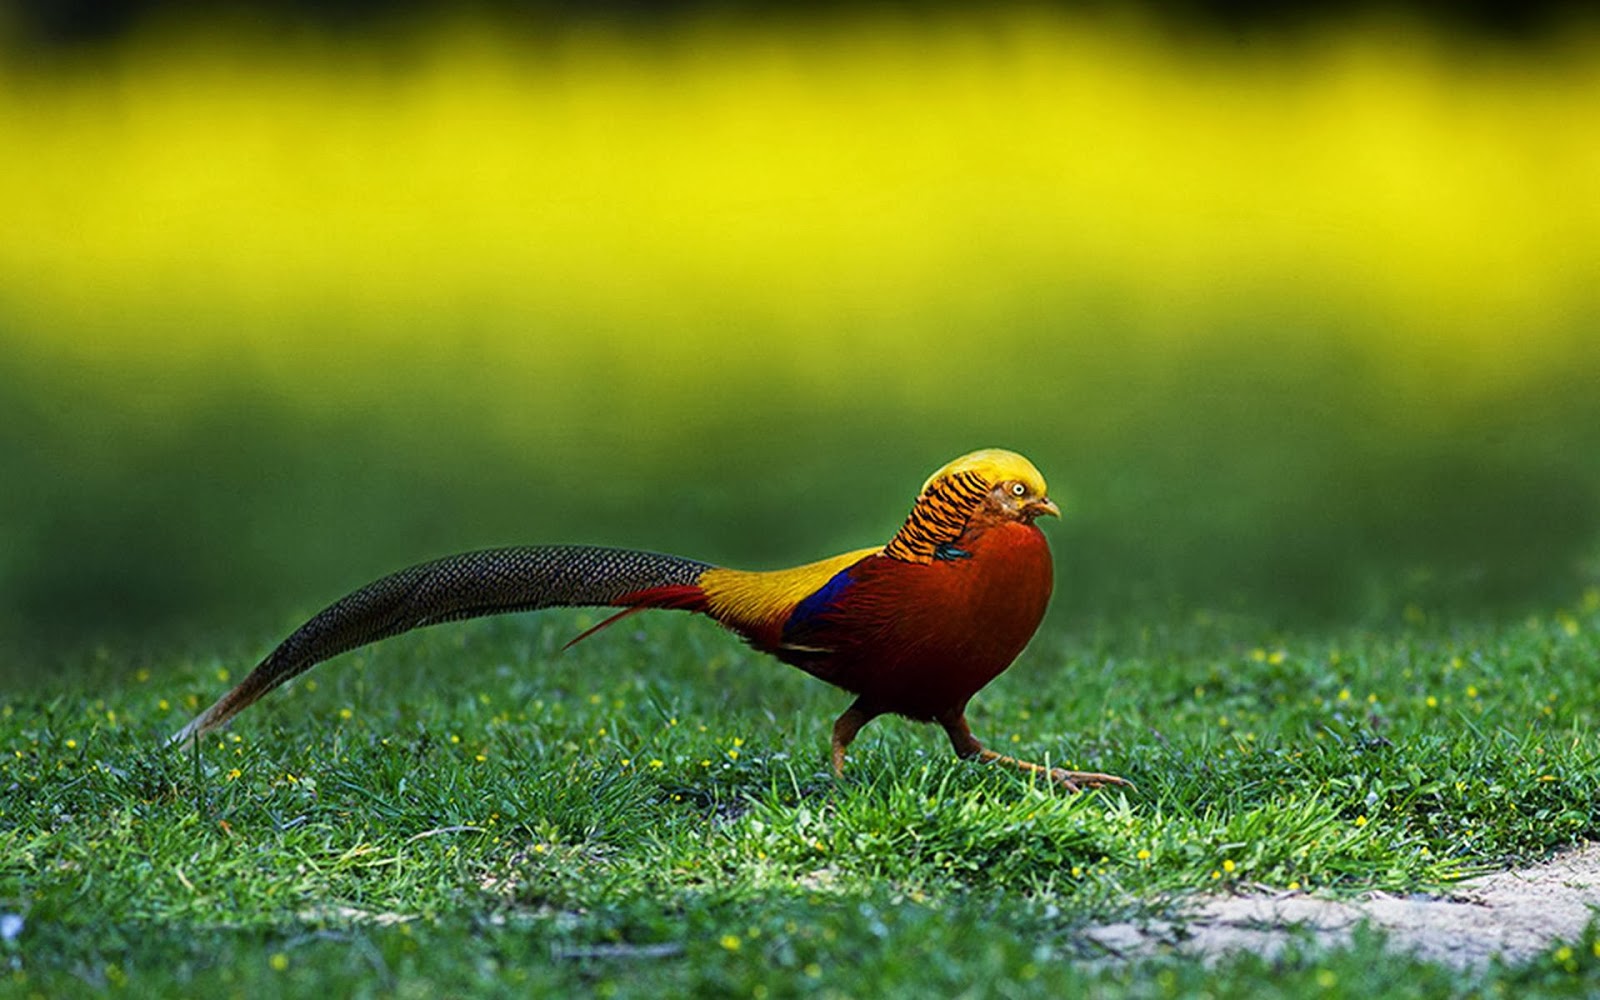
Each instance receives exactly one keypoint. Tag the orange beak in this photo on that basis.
(1043, 505)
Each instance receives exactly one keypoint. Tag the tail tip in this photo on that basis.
(189, 734)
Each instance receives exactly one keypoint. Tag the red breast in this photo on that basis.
(919, 639)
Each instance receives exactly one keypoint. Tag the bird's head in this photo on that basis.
(1011, 487)
(979, 490)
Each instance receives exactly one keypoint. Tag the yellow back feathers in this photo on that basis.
(950, 496)
(756, 601)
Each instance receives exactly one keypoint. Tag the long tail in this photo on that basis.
(470, 585)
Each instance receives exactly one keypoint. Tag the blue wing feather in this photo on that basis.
(823, 601)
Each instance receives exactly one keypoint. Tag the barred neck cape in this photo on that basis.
(939, 517)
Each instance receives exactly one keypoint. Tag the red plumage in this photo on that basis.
(920, 639)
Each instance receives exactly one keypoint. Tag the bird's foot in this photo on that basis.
(968, 748)
(1072, 781)
(1077, 781)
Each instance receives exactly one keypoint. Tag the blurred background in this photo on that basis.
(1298, 313)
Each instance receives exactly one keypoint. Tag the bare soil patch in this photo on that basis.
(1515, 915)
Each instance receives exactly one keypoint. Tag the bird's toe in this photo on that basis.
(1075, 781)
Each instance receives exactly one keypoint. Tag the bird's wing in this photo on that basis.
(758, 605)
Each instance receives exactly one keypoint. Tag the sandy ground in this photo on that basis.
(1516, 915)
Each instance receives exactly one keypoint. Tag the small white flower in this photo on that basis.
(10, 926)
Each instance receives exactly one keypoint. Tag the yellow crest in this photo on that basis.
(992, 465)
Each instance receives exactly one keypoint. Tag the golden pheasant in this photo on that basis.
(913, 628)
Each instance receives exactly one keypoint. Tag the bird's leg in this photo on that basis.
(845, 729)
(967, 747)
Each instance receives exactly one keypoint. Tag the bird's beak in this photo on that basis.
(1043, 505)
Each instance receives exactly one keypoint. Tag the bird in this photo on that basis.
(914, 627)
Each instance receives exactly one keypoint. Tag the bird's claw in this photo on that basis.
(1077, 781)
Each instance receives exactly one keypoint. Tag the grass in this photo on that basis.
(465, 809)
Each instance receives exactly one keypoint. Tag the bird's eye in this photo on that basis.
(1017, 489)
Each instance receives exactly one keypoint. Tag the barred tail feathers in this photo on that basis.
(470, 585)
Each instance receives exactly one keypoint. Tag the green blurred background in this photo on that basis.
(1302, 320)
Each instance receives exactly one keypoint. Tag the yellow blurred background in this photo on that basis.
(1301, 322)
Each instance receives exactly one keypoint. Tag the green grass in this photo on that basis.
(467, 809)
